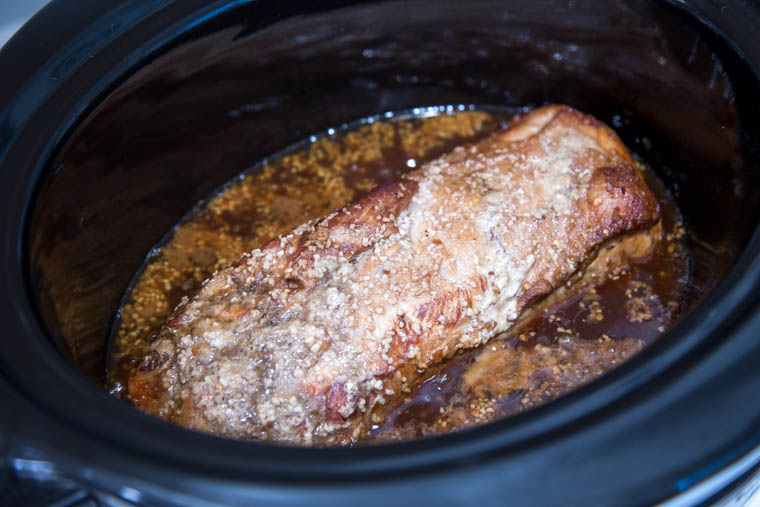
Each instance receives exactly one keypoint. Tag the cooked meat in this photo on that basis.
(309, 339)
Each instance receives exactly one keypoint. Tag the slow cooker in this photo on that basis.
(116, 118)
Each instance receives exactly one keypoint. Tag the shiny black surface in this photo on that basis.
(148, 106)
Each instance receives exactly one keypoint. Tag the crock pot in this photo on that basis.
(116, 118)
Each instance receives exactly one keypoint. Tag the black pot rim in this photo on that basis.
(32, 125)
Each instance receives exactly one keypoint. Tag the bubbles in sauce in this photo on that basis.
(565, 347)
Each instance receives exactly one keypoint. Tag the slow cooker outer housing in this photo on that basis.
(670, 418)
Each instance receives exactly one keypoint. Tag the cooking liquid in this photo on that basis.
(565, 347)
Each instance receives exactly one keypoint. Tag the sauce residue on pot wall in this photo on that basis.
(567, 346)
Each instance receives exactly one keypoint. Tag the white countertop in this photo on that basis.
(14, 13)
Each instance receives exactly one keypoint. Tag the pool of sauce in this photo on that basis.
(558, 351)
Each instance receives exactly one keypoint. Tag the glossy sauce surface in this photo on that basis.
(567, 346)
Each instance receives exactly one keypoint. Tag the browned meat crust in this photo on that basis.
(308, 339)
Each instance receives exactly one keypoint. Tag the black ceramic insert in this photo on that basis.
(108, 137)
(228, 95)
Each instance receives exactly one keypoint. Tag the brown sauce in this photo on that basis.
(566, 347)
